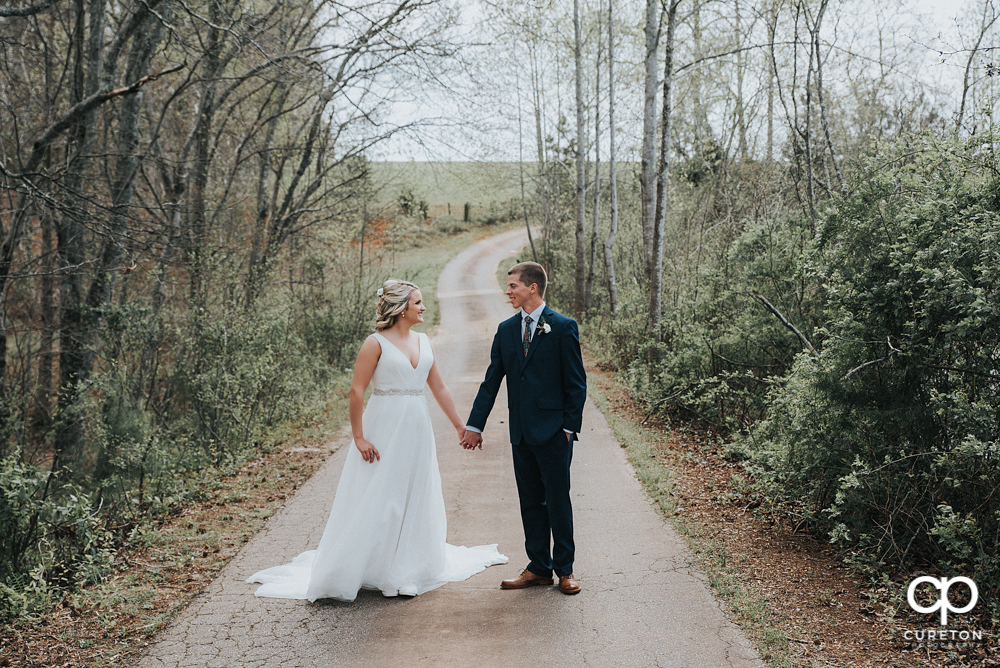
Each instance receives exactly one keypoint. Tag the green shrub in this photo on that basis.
(240, 373)
(892, 433)
(412, 205)
(720, 345)
(51, 537)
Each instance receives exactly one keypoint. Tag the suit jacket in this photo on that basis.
(546, 388)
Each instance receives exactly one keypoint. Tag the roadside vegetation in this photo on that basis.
(839, 369)
(801, 263)
(857, 391)
(191, 233)
(198, 517)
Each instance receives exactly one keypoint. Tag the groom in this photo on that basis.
(538, 351)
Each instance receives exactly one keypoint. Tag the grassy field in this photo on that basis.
(489, 187)
(423, 266)
(492, 189)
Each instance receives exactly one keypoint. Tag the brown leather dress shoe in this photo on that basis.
(526, 579)
(568, 584)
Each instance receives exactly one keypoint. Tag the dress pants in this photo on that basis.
(542, 475)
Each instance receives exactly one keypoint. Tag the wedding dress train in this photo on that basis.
(387, 528)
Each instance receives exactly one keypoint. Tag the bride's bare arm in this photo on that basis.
(364, 369)
(443, 396)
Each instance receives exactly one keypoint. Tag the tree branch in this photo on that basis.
(784, 321)
(83, 107)
(27, 11)
(716, 56)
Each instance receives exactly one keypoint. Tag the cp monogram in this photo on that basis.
(943, 603)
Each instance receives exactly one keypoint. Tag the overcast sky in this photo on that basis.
(936, 31)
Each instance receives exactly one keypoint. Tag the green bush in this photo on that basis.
(892, 432)
(242, 372)
(720, 345)
(412, 205)
(51, 537)
(166, 403)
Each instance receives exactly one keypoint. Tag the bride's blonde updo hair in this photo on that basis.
(393, 297)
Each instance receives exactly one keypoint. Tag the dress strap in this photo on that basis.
(426, 346)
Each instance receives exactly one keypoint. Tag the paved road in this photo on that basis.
(643, 604)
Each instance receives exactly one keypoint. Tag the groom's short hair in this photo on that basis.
(530, 272)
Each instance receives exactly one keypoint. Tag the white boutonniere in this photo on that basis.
(544, 328)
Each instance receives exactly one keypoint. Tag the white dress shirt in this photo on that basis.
(535, 315)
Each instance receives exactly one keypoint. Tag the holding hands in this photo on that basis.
(472, 440)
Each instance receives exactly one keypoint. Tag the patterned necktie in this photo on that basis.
(526, 341)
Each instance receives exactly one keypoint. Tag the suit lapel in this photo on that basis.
(546, 317)
(515, 336)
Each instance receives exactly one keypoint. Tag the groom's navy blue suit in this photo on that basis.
(546, 390)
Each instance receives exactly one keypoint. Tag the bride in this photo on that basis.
(387, 528)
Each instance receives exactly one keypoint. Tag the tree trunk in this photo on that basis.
(770, 93)
(123, 185)
(662, 183)
(82, 315)
(807, 132)
(47, 315)
(609, 243)
(255, 274)
(520, 165)
(597, 167)
(72, 242)
(821, 99)
(202, 141)
(741, 123)
(581, 159)
(542, 172)
(648, 151)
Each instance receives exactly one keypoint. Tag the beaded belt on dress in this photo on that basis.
(398, 393)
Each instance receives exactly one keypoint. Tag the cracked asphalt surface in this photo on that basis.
(643, 603)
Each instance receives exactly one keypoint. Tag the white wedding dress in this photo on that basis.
(387, 528)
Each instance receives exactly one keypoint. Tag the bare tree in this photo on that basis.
(266, 104)
(609, 243)
(579, 298)
(520, 165)
(986, 21)
(662, 178)
(597, 166)
(651, 30)
(94, 69)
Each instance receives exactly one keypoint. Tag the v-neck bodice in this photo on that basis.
(395, 371)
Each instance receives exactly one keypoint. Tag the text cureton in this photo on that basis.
(941, 634)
